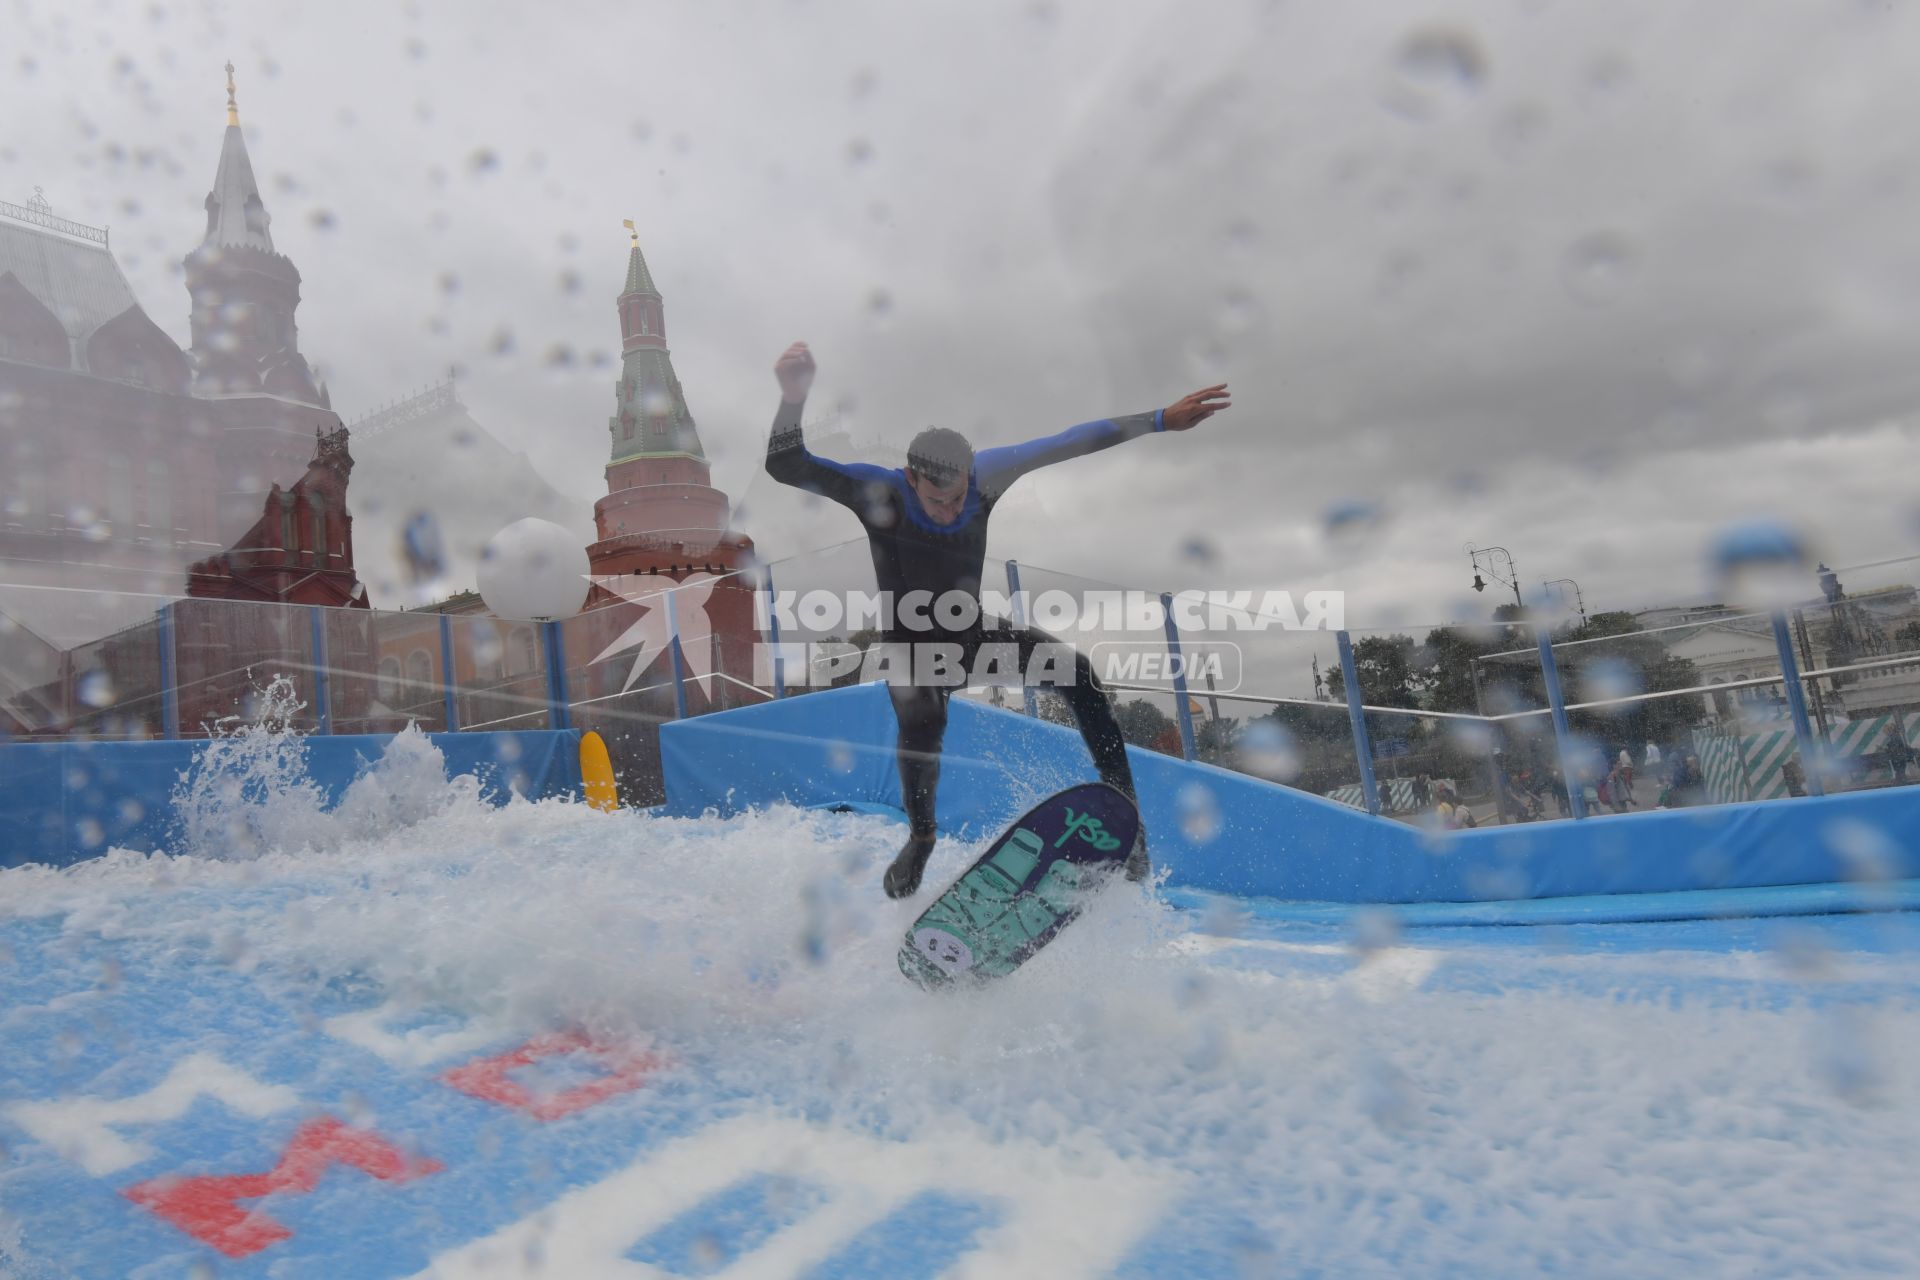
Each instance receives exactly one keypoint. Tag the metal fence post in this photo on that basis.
(556, 678)
(1811, 759)
(679, 663)
(322, 684)
(773, 629)
(447, 682)
(1562, 735)
(1019, 620)
(169, 674)
(1185, 704)
(1357, 718)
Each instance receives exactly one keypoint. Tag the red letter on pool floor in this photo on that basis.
(488, 1077)
(204, 1207)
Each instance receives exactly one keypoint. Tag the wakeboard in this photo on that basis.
(1027, 886)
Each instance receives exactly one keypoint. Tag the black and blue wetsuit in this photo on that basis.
(911, 552)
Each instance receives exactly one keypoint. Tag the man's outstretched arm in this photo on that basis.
(787, 458)
(998, 468)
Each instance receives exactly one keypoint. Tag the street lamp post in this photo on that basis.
(1494, 557)
(1578, 600)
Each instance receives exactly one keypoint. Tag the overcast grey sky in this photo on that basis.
(1585, 280)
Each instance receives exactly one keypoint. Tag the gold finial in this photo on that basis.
(233, 111)
(628, 224)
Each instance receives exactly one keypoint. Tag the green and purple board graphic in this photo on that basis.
(1023, 890)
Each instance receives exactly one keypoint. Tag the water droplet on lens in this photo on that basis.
(1199, 550)
(1268, 750)
(1373, 930)
(1350, 527)
(423, 547)
(1199, 813)
(1598, 268)
(1238, 312)
(1608, 71)
(1519, 129)
(1432, 68)
(95, 688)
(1761, 564)
(1869, 854)
(487, 646)
(1610, 678)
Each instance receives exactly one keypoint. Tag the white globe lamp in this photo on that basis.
(534, 569)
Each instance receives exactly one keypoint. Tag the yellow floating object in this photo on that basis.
(596, 773)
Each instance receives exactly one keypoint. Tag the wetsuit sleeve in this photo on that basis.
(995, 469)
(847, 483)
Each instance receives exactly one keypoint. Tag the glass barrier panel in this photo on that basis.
(384, 671)
(1859, 651)
(1694, 711)
(115, 685)
(75, 662)
(1457, 722)
(1291, 744)
(499, 673)
(241, 662)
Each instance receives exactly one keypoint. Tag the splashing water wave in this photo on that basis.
(1355, 1112)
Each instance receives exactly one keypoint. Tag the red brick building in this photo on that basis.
(129, 465)
(662, 519)
(124, 459)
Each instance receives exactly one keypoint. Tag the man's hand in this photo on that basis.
(795, 369)
(1190, 411)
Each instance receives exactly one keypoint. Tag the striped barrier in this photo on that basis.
(1752, 766)
(1399, 794)
(1722, 765)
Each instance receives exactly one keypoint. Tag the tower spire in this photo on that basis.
(244, 292)
(653, 417)
(661, 509)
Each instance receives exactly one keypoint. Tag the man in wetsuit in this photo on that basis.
(926, 528)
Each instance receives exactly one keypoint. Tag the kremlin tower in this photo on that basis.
(661, 513)
(662, 522)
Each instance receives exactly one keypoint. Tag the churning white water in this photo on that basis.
(1441, 1103)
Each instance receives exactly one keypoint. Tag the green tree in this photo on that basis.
(1610, 656)
(1214, 741)
(1141, 723)
(1325, 742)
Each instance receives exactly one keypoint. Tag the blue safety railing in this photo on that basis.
(1547, 732)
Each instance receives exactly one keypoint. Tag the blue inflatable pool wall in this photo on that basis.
(1214, 829)
(1209, 828)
